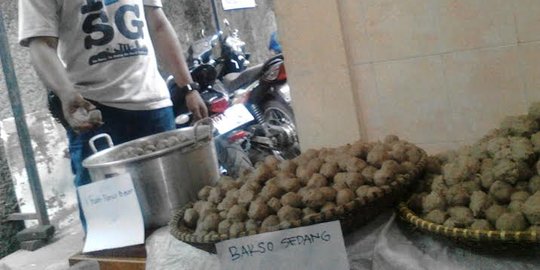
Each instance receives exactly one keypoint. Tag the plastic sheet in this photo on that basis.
(164, 252)
(380, 245)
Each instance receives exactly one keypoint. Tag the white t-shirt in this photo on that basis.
(105, 47)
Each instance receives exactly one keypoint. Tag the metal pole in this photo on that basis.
(22, 128)
(216, 18)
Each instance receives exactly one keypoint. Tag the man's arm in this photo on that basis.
(53, 74)
(169, 51)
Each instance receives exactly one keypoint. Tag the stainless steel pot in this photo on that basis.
(164, 180)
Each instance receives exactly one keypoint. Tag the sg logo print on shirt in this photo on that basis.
(97, 21)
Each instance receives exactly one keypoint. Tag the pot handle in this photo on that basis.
(92, 141)
(203, 121)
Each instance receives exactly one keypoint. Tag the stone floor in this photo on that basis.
(67, 241)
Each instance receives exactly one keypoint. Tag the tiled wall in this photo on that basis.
(439, 73)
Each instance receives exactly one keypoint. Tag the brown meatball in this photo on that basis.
(216, 195)
(237, 213)
(344, 196)
(308, 211)
(271, 162)
(269, 224)
(520, 196)
(304, 173)
(391, 140)
(224, 226)
(362, 191)
(329, 206)
(512, 221)
(433, 201)
(204, 193)
(457, 196)
(368, 173)
(329, 193)
(501, 191)
(463, 216)
(203, 208)
(315, 164)
(378, 155)
(329, 169)
(436, 216)
(534, 184)
(190, 218)
(274, 204)
(313, 198)
(355, 165)
(494, 212)
(227, 203)
(481, 224)
(287, 166)
(317, 180)
(383, 177)
(210, 222)
(236, 229)
(289, 184)
(251, 225)
(271, 191)
(261, 173)
(290, 214)
(291, 199)
(392, 166)
(531, 208)
(350, 180)
(258, 210)
(479, 203)
(246, 197)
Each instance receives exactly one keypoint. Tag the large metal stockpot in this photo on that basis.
(166, 179)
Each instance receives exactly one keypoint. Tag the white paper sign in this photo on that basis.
(232, 118)
(236, 4)
(313, 247)
(113, 214)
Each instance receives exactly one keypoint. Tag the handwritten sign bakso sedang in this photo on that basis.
(318, 246)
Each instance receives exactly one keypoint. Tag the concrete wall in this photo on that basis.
(438, 73)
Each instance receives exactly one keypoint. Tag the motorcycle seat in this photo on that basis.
(234, 81)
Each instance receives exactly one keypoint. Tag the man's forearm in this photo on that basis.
(49, 67)
(167, 46)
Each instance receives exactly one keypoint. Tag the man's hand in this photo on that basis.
(80, 114)
(196, 105)
(170, 53)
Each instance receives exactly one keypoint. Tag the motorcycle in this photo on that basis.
(249, 106)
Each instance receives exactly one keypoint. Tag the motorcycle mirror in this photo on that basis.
(226, 22)
(182, 119)
(203, 34)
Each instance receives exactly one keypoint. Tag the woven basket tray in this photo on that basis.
(480, 240)
(352, 215)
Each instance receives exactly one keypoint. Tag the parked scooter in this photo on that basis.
(250, 107)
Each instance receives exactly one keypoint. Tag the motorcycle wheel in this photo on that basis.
(232, 157)
(277, 113)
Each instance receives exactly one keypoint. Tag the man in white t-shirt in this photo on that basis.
(98, 55)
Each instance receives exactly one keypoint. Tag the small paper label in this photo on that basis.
(318, 246)
(236, 4)
(112, 213)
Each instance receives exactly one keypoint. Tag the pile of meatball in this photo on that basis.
(491, 185)
(280, 194)
(149, 147)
